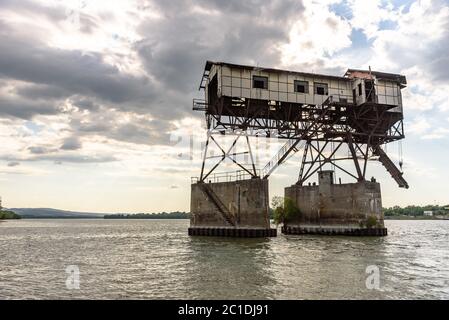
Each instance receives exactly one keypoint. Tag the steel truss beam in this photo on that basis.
(362, 130)
(227, 155)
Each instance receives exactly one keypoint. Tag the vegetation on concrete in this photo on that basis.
(161, 215)
(6, 214)
(284, 209)
(370, 222)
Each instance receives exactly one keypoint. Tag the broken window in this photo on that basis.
(321, 89)
(260, 82)
(301, 86)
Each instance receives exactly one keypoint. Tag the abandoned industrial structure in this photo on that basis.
(319, 116)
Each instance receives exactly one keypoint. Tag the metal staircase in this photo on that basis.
(391, 167)
(225, 213)
(281, 155)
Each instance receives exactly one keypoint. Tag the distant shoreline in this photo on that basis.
(417, 218)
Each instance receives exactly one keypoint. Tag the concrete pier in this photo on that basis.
(336, 209)
(230, 209)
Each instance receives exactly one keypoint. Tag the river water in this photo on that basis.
(156, 259)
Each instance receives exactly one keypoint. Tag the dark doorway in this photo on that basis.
(370, 91)
(212, 91)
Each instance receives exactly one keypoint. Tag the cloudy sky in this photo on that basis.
(95, 95)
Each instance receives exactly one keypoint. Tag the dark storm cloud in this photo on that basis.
(86, 104)
(71, 143)
(139, 131)
(173, 51)
(40, 150)
(26, 109)
(75, 71)
(176, 47)
(42, 92)
(439, 58)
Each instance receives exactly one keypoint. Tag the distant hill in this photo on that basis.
(48, 213)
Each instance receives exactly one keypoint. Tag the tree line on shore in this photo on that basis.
(6, 214)
(160, 215)
(388, 212)
(415, 210)
(395, 211)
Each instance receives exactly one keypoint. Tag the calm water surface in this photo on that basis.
(155, 259)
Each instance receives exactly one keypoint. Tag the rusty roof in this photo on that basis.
(380, 75)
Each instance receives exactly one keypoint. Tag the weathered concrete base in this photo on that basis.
(232, 232)
(333, 231)
(335, 209)
(230, 209)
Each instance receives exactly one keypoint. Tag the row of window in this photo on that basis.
(321, 89)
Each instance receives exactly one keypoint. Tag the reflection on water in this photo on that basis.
(155, 259)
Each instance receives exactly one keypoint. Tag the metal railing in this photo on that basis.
(199, 105)
(229, 176)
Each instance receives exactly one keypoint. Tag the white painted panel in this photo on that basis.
(389, 91)
(225, 71)
(291, 78)
(333, 84)
(257, 93)
(274, 95)
(273, 86)
(290, 87)
(274, 76)
(236, 82)
(282, 96)
(236, 92)
(301, 98)
(282, 77)
(282, 87)
(246, 83)
(235, 72)
(246, 74)
(226, 91)
(334, 92)
(390, 100)
(381, 99)
(309, 98)
(292, 97)
(319, 99)
(265, 95)
(219, 81)
(380, 90)
(246, 93)
(396, 91)
(226, 81)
